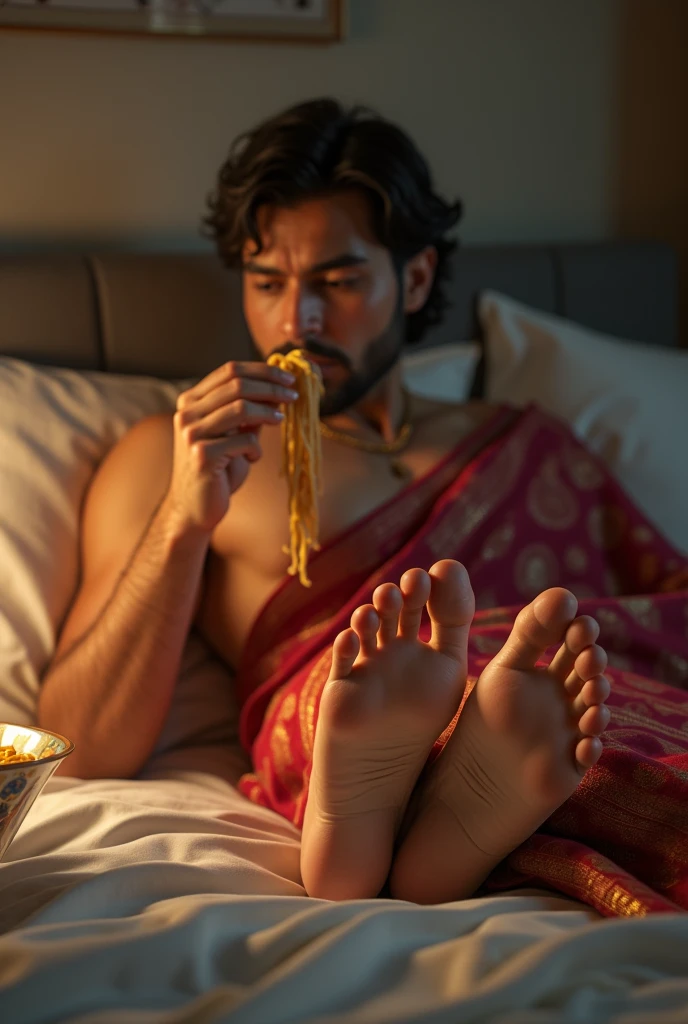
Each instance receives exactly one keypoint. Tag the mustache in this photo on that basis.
(316, 347)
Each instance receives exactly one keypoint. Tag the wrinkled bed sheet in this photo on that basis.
(173, 899)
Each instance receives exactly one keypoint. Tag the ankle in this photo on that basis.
(344, 860)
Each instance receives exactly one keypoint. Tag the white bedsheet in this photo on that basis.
(173, 899)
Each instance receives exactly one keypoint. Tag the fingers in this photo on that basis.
(232, 370)
(236, 416)
(236, 389)
(216, 426)
(234, 397)
(206, 452)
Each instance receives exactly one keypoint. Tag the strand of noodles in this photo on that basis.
(302, 459)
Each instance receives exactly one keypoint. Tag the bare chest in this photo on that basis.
(354, 484)
(247, 558)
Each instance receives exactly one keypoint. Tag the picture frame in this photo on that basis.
(313, 21)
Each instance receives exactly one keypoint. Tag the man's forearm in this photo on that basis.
(112, 691)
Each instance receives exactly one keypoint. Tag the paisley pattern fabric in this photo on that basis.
(524, 506)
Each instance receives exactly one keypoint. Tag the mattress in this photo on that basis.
(171, 898)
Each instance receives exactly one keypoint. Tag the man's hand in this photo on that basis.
(216, 428)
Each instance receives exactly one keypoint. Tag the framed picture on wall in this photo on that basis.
(288, 20)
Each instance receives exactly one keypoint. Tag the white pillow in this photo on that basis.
(55, 427)
(444, 372)
(627, 401)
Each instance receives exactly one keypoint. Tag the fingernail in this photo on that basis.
(288, 378)
(279, 415)
(293, 394)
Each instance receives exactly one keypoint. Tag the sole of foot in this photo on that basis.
(389, 696)
(525, 738)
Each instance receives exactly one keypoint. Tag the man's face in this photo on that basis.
(323, 283)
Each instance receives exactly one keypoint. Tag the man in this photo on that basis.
(333, 219)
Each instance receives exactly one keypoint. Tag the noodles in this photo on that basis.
(301, 459)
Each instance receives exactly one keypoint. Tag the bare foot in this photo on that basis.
(388, 698)
(525, 738)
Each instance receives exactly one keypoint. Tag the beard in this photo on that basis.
(380, 355)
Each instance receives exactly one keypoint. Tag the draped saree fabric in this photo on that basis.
(525, 507)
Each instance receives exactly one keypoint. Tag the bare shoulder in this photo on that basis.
(148, 439)
(125, 491)
(146, 448)
(130, 482)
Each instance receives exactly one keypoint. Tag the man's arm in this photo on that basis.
(147, 523)
(110, 684)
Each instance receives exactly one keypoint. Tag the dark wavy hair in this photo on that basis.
(319, 148)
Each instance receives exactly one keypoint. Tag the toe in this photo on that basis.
(539, 625)
(365, 622)
(582, 632)
(590, 662)
(594, 691)
(344, 653)
(451, 607)
(388, 603)
(588, 752)
(594, 721)
(415, 588)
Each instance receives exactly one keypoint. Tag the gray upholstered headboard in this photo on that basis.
(178, 315)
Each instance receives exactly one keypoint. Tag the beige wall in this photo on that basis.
(512, 100)
(552, 119)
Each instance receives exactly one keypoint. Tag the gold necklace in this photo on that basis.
(375, 447)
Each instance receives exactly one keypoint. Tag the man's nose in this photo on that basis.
(303, 312)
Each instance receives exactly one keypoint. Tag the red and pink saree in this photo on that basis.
(525, 507)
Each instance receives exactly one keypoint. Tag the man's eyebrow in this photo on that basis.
(337, 263)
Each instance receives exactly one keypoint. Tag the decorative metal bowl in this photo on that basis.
(22, 781)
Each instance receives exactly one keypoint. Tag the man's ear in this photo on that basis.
(417, 277)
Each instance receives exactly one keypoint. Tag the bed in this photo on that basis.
(172, 898)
